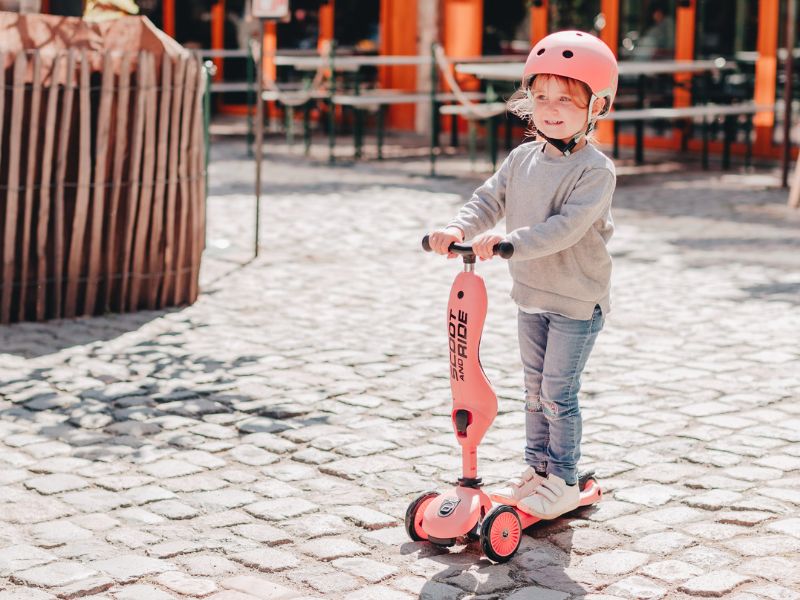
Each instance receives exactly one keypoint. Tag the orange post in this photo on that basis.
(610, 35)
(218, 34)
(399, 37)
(684, 50)
(538, 21)
(766, 72)
(326, 12)
(610, 32)
(270, 47)
(168, 17)
(463, 24)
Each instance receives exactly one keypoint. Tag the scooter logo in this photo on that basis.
(448, 506)
(457, 334)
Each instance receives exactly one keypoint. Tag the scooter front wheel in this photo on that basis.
(414, 514)
(501, 533)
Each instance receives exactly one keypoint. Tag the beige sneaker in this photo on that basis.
(551, 499)
(518, 488)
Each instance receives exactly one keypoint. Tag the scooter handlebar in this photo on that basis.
(501, 249)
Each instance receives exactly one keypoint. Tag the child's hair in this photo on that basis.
(519, 103)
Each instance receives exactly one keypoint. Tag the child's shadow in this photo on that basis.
(544, 561)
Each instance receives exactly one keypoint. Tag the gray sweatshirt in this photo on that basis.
(558, 216)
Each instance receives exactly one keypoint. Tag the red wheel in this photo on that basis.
(501, 533)
(414, 516)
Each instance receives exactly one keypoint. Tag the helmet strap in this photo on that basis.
(566, 148)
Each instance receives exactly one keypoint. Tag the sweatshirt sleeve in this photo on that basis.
(487, 205)
(588, 201)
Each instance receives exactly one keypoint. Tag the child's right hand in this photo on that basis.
(441, 239)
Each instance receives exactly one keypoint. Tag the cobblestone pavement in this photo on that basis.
(265, 442)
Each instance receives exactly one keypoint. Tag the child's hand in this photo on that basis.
(483, 245)
(441, 239)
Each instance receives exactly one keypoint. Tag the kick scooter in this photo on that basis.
(465, 511)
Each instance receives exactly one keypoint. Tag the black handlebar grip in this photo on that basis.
(501, 249)
(504, 250)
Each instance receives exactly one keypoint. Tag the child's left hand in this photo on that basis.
(484, 244)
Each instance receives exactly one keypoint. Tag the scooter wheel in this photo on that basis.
(501, 533)
(414, 514)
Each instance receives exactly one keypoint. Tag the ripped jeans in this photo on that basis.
(554, 351)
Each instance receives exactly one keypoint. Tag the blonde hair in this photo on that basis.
(519, 103)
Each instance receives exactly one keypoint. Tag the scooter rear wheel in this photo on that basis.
(414, 514)
(501, 533)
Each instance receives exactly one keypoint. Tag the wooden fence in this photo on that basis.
(102, 182)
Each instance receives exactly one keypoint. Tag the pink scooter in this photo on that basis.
(465, 512)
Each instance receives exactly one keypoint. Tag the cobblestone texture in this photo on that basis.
(265, 442)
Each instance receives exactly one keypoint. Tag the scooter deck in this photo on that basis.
(590, 494)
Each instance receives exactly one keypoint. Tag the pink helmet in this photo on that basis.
(580, 56)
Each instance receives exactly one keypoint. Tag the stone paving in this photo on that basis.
(265, 442)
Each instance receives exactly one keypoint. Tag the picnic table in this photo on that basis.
(641, 70)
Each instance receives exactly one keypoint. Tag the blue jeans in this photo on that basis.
(554, 352)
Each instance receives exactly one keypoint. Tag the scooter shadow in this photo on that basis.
(544, 561)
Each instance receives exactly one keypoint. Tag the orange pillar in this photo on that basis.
(218, 33)
(325, 24)
(766, 71)
(463, 33)
(168, 17)
(610, 35)
(538, 21)
(463, 27)
(685, 20)
(398, 28)
(610, 32)
(269, 49)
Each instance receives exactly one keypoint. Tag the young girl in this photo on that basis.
(556, 196)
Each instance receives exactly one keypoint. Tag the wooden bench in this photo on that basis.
(465, 108)
(704, 112)
(376, 101)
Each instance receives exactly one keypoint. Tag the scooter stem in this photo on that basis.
(474, 401)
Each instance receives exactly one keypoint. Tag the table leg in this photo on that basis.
(492, 125)
(358, 131)
(615, 153)
(748, 129)
(307, 128)
(331, 130)
(289, 115)
(381, 110)
(640, 123)
(728, 131)
(705, 143)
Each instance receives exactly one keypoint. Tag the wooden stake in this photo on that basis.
(80, 215)
(172, 174)
(148, 81)
(134, 173)
(99, 187)
(183, 207)
(112, 250)
(12, 195)
(196, 230)
(45, 182)
(61, 171)
(156, 243)
(32, 168)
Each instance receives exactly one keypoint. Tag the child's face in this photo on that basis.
(557, 113)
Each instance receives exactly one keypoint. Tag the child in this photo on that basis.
(556, 197)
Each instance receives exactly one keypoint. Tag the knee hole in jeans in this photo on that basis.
(533, 404)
